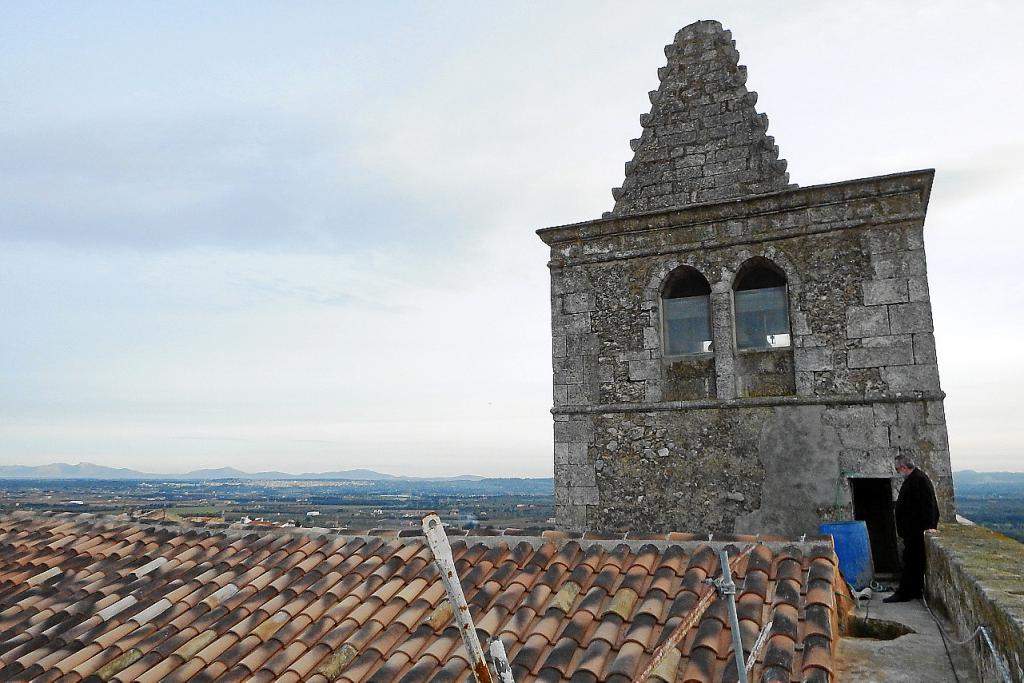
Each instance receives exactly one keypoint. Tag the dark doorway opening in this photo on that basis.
(873, 505)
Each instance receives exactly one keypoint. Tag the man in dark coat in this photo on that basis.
(916, 511)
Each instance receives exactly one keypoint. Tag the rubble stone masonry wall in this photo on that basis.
(752, 441)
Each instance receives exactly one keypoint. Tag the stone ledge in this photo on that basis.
(769, 401)
(976, 577)
(812, 196)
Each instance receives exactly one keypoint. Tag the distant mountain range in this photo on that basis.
(974, 478)
(86, 470)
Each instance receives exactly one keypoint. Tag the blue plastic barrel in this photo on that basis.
(853, 551)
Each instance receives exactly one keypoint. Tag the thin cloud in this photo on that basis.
(285, 224)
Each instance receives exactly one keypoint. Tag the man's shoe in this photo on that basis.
(898, 597)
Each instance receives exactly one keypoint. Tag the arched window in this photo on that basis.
(762, 308)
(686, 313)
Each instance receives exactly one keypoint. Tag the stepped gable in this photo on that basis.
(703, 140)
(85, 598)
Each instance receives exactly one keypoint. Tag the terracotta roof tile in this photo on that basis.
(593, 658)
(115, 601)
(593, 601)
(641, 631)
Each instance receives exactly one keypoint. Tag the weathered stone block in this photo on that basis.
(640, 370)
(804, 383)
(921, 412)
(567, 280)
(921, 437)
(898, 264)
(651, 338)
(585, 344)
(579, 431)
(585, 495)
(867, 321)
(814, 358)
(558, 346)
(561, 495)
(889, 291)
(934, 413)
(915, 235)
(910, 317)
(798, 322)
(917, 288)
(861, 416)
(568, 370)
(765, 373)
(581, 475)
(884, 413)
(883, 239)
(578, 395)
(577, 322)
(864, 437)
(924, 349)
(881, 351)
(571, 516)
(868, 463)
(911, 378)
(577, 453)
(578, 302)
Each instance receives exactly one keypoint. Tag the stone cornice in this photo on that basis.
(709, 222)
(759, 402)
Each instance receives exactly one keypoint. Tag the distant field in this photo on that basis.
(992, 499)
(194, 510)
(1003, 515)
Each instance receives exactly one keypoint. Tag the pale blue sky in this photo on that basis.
(300, 235)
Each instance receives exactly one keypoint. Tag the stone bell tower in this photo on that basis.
(730, 352)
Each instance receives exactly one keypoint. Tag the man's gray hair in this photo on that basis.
(905, 461)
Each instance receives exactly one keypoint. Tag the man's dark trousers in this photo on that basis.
(912, 579)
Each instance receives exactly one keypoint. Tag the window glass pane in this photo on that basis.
(687, 325)
(762, 318)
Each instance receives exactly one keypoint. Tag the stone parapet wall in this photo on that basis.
(976, 578)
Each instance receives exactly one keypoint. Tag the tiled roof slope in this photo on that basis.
(703, 140)
(87, 599)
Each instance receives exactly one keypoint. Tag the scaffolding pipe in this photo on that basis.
(727, 587)
(433, 529)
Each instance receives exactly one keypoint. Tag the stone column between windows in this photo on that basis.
(722, 336)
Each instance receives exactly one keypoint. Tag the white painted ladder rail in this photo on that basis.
(433, 529)
(755, 650)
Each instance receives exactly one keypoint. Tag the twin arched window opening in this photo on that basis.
(760, 307)
(686, 307)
